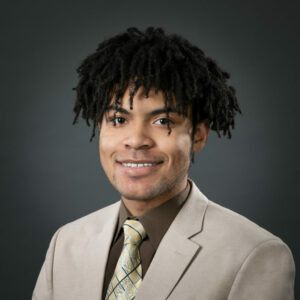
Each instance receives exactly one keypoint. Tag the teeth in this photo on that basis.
(132, 165)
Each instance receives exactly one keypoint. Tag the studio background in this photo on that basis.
(50, 172)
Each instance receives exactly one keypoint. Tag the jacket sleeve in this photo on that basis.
(44, 286)
(268, 273)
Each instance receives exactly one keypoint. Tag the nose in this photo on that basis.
(138, 138)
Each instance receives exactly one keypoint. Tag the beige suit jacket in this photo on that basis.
(208, 253)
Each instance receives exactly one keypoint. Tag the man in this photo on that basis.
(154, 98)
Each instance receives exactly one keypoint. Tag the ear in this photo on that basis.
(201, 135)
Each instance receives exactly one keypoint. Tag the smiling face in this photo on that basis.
(140, 159)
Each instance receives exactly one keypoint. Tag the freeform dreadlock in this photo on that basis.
(168, 63)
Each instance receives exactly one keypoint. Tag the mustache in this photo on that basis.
(139, 155)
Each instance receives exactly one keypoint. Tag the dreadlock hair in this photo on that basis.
(153, 59)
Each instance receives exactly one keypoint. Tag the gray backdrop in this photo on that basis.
(50, 172)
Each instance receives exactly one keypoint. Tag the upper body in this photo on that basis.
(209, 252)
(154, 98)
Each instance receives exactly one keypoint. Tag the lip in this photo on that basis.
(142, 171)
(138, 161)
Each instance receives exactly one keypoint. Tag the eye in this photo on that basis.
(120, 120)
(164, 121)
(117, 120)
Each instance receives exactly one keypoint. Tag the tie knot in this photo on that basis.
(134, 232)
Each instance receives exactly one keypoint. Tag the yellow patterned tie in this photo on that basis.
(128, 272)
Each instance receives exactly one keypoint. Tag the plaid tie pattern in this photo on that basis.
(128, 272)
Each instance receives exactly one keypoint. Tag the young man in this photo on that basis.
(154, 98)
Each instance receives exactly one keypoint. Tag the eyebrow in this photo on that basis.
(151, 113)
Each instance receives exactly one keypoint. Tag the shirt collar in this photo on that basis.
(157, 220)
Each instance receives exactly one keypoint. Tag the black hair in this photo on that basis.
(168, 63)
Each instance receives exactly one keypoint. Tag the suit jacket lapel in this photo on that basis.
(96, 253)
(176, 249)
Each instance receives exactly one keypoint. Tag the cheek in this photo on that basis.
(184, 144)
(107, 143)
(102, 152)
(178, 148)
(107, 146)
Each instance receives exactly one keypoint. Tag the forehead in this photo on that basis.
(140, 104)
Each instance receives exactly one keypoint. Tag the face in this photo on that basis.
(138, 156)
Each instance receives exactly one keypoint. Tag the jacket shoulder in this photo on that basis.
(92, 222)
(234, 225)
(251, 253)
(230, 230)
(255, 255)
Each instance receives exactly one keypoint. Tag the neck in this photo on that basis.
(139, 207)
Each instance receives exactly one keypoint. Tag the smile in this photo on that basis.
(133, 165)
(139, 169)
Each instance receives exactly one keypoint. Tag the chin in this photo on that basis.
(135, 191)
(144, 192)
(136, 194)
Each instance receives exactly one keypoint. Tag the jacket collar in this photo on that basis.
(176, 250)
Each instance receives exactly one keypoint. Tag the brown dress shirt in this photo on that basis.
(156, 223)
